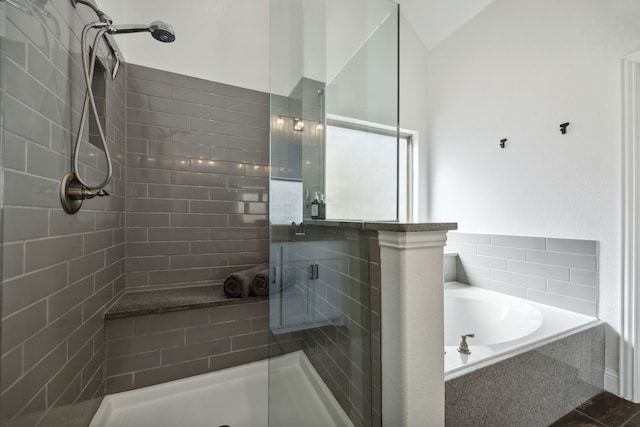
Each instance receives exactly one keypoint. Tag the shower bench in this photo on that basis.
(162, 335)
(140, 303)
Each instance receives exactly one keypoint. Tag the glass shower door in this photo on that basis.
(332, 63)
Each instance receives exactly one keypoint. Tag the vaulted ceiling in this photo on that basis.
(435, 20)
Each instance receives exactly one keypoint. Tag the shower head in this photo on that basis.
(162, 31)
(159, 30)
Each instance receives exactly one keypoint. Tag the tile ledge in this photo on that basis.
(141, 303)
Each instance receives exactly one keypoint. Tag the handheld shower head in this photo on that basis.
(160, 31)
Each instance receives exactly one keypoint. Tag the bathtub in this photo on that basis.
(503, 326)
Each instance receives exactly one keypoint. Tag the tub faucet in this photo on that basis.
(464, 347)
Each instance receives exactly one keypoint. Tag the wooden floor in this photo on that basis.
(604, 409)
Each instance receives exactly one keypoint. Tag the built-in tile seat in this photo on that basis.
(162, 335)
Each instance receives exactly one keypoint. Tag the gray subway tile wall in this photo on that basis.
(151, 349)
(192, 209)
(197, 179)
(296, 155)
(558, 272)
(59, 271)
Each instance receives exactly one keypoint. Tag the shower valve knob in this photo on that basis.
(83, 193)
(96, 193)
(73, 193)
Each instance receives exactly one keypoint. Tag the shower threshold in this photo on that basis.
(237, 397)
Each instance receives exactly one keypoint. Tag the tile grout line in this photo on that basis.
(630, 418)
(591, 418)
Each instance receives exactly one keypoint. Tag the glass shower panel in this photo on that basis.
(365, 90)
(362, 114)
(2, 84)
(330, 61)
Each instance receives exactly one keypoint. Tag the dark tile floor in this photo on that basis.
(606, 410)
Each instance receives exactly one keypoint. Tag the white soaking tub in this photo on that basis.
(503, 326)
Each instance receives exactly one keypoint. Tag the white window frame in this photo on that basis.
(412, 155)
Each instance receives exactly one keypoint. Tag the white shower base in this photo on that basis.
(237, 397)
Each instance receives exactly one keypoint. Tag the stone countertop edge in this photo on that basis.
(403, 227)
(141, 303)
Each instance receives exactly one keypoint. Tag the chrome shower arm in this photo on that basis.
(128, 29)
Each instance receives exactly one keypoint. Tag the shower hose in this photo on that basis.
(89, 100)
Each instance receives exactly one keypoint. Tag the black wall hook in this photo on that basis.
(563, 127)
(502, 142)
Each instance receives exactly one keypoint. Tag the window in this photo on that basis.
(368, 172)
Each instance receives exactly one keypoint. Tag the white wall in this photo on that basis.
(223, 40)
(516, 71)
(229, 40)
(287, 64)
(414, 103)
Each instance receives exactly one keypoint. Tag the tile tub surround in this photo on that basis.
(152, 349)
(59, 271)
(559, 272)
(450, 261)
(197, 179)
(531, 389)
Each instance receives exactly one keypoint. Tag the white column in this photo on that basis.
(412, 328)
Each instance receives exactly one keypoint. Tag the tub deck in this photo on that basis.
(556, 323)
(533, 388)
